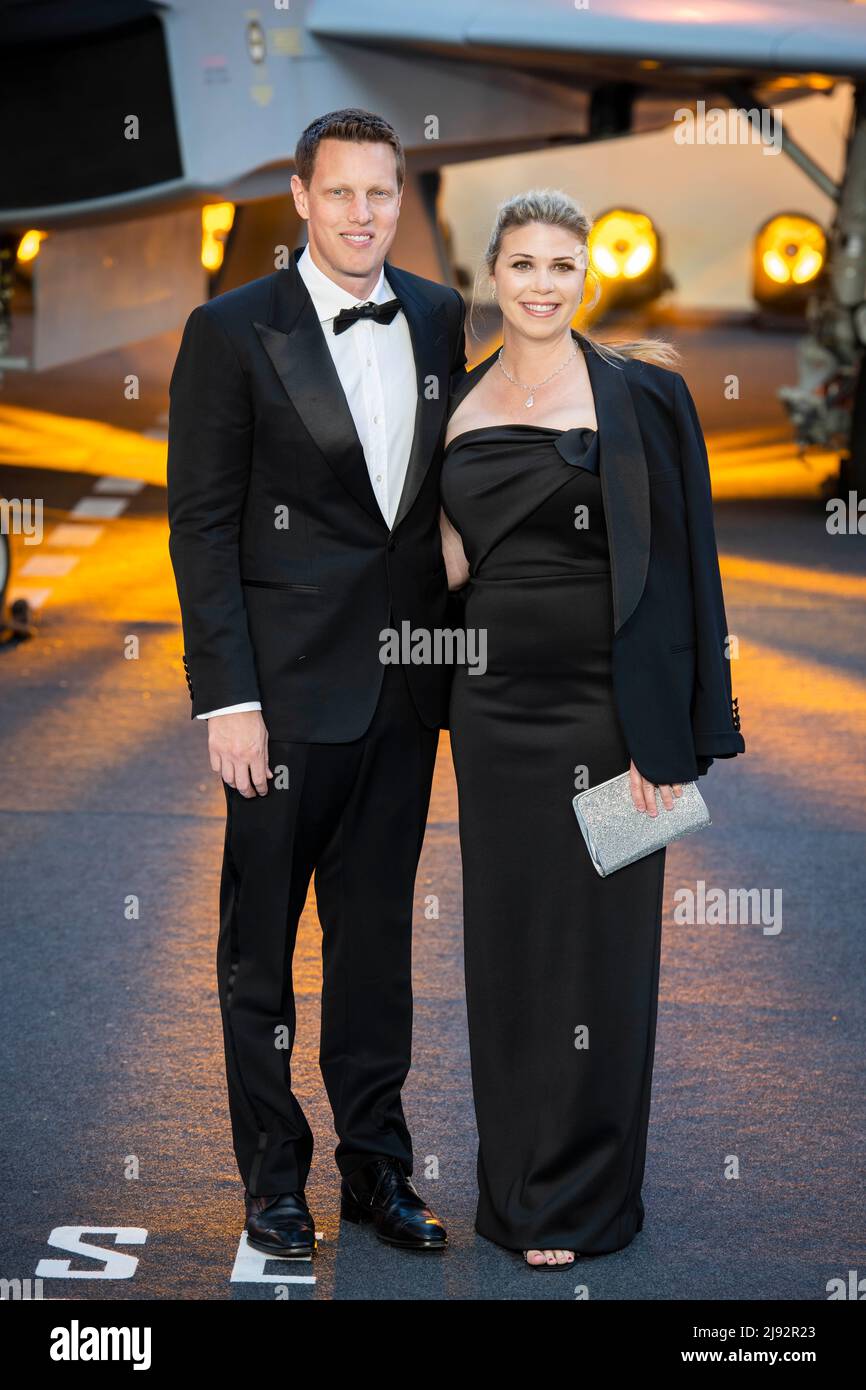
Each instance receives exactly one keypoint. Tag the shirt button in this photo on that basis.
(378, 477)
(375, 419)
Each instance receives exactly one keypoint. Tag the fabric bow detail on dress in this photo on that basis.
(577, 450)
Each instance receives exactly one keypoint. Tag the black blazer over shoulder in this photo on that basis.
(671, 671)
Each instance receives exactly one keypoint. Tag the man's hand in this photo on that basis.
(643, 793)
(238, 748)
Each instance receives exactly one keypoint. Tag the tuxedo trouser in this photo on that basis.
(354, 815)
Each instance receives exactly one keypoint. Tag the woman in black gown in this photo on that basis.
(561, 965)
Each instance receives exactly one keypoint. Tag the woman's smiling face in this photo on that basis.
(539, 276)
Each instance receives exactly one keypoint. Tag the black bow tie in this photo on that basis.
(381, 313)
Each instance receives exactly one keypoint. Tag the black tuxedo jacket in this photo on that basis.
(671, 673)
(286, 570)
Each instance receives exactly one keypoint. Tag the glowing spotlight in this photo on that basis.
(28, 246)
(216, 223)
(623, 245)
(790, 253)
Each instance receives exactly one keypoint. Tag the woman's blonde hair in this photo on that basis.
(553, 208)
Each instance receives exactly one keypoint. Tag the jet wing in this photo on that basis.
(657, 43)
(218, 93)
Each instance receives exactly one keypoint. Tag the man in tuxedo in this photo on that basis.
(307, 417)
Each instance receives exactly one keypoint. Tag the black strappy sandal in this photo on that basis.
(548, 1268)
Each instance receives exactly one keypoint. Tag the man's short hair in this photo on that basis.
(352, 123)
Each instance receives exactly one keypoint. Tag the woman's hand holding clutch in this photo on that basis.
(643, 793)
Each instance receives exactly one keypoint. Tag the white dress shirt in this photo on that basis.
(376, 367)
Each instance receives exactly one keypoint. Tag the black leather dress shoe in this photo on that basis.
(381, 1193)
(281, 1226)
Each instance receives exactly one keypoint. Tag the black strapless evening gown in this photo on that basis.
(561, 965)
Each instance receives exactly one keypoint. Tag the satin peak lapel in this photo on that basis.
(624, 482)
(295, 343)
(428, 329)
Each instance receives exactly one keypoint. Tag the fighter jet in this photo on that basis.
(126, 118)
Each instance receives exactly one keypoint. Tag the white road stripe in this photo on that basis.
(64, 534)
(103, 507)
(250, 1267)
(49, 566)
(125, 485)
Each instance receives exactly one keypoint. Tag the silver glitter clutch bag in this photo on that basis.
(616, 834)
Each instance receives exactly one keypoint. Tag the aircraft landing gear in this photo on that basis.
(853, 468)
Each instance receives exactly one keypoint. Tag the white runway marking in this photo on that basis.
(115, 1263)
(126, 485)
(64, 534)
(249, 1267)
(49, 566)
(103, 507)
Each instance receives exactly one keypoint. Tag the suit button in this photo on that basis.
(392, 545)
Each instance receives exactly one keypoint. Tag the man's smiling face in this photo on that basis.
(351, 207)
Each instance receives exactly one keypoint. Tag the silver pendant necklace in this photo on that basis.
(530, 399)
